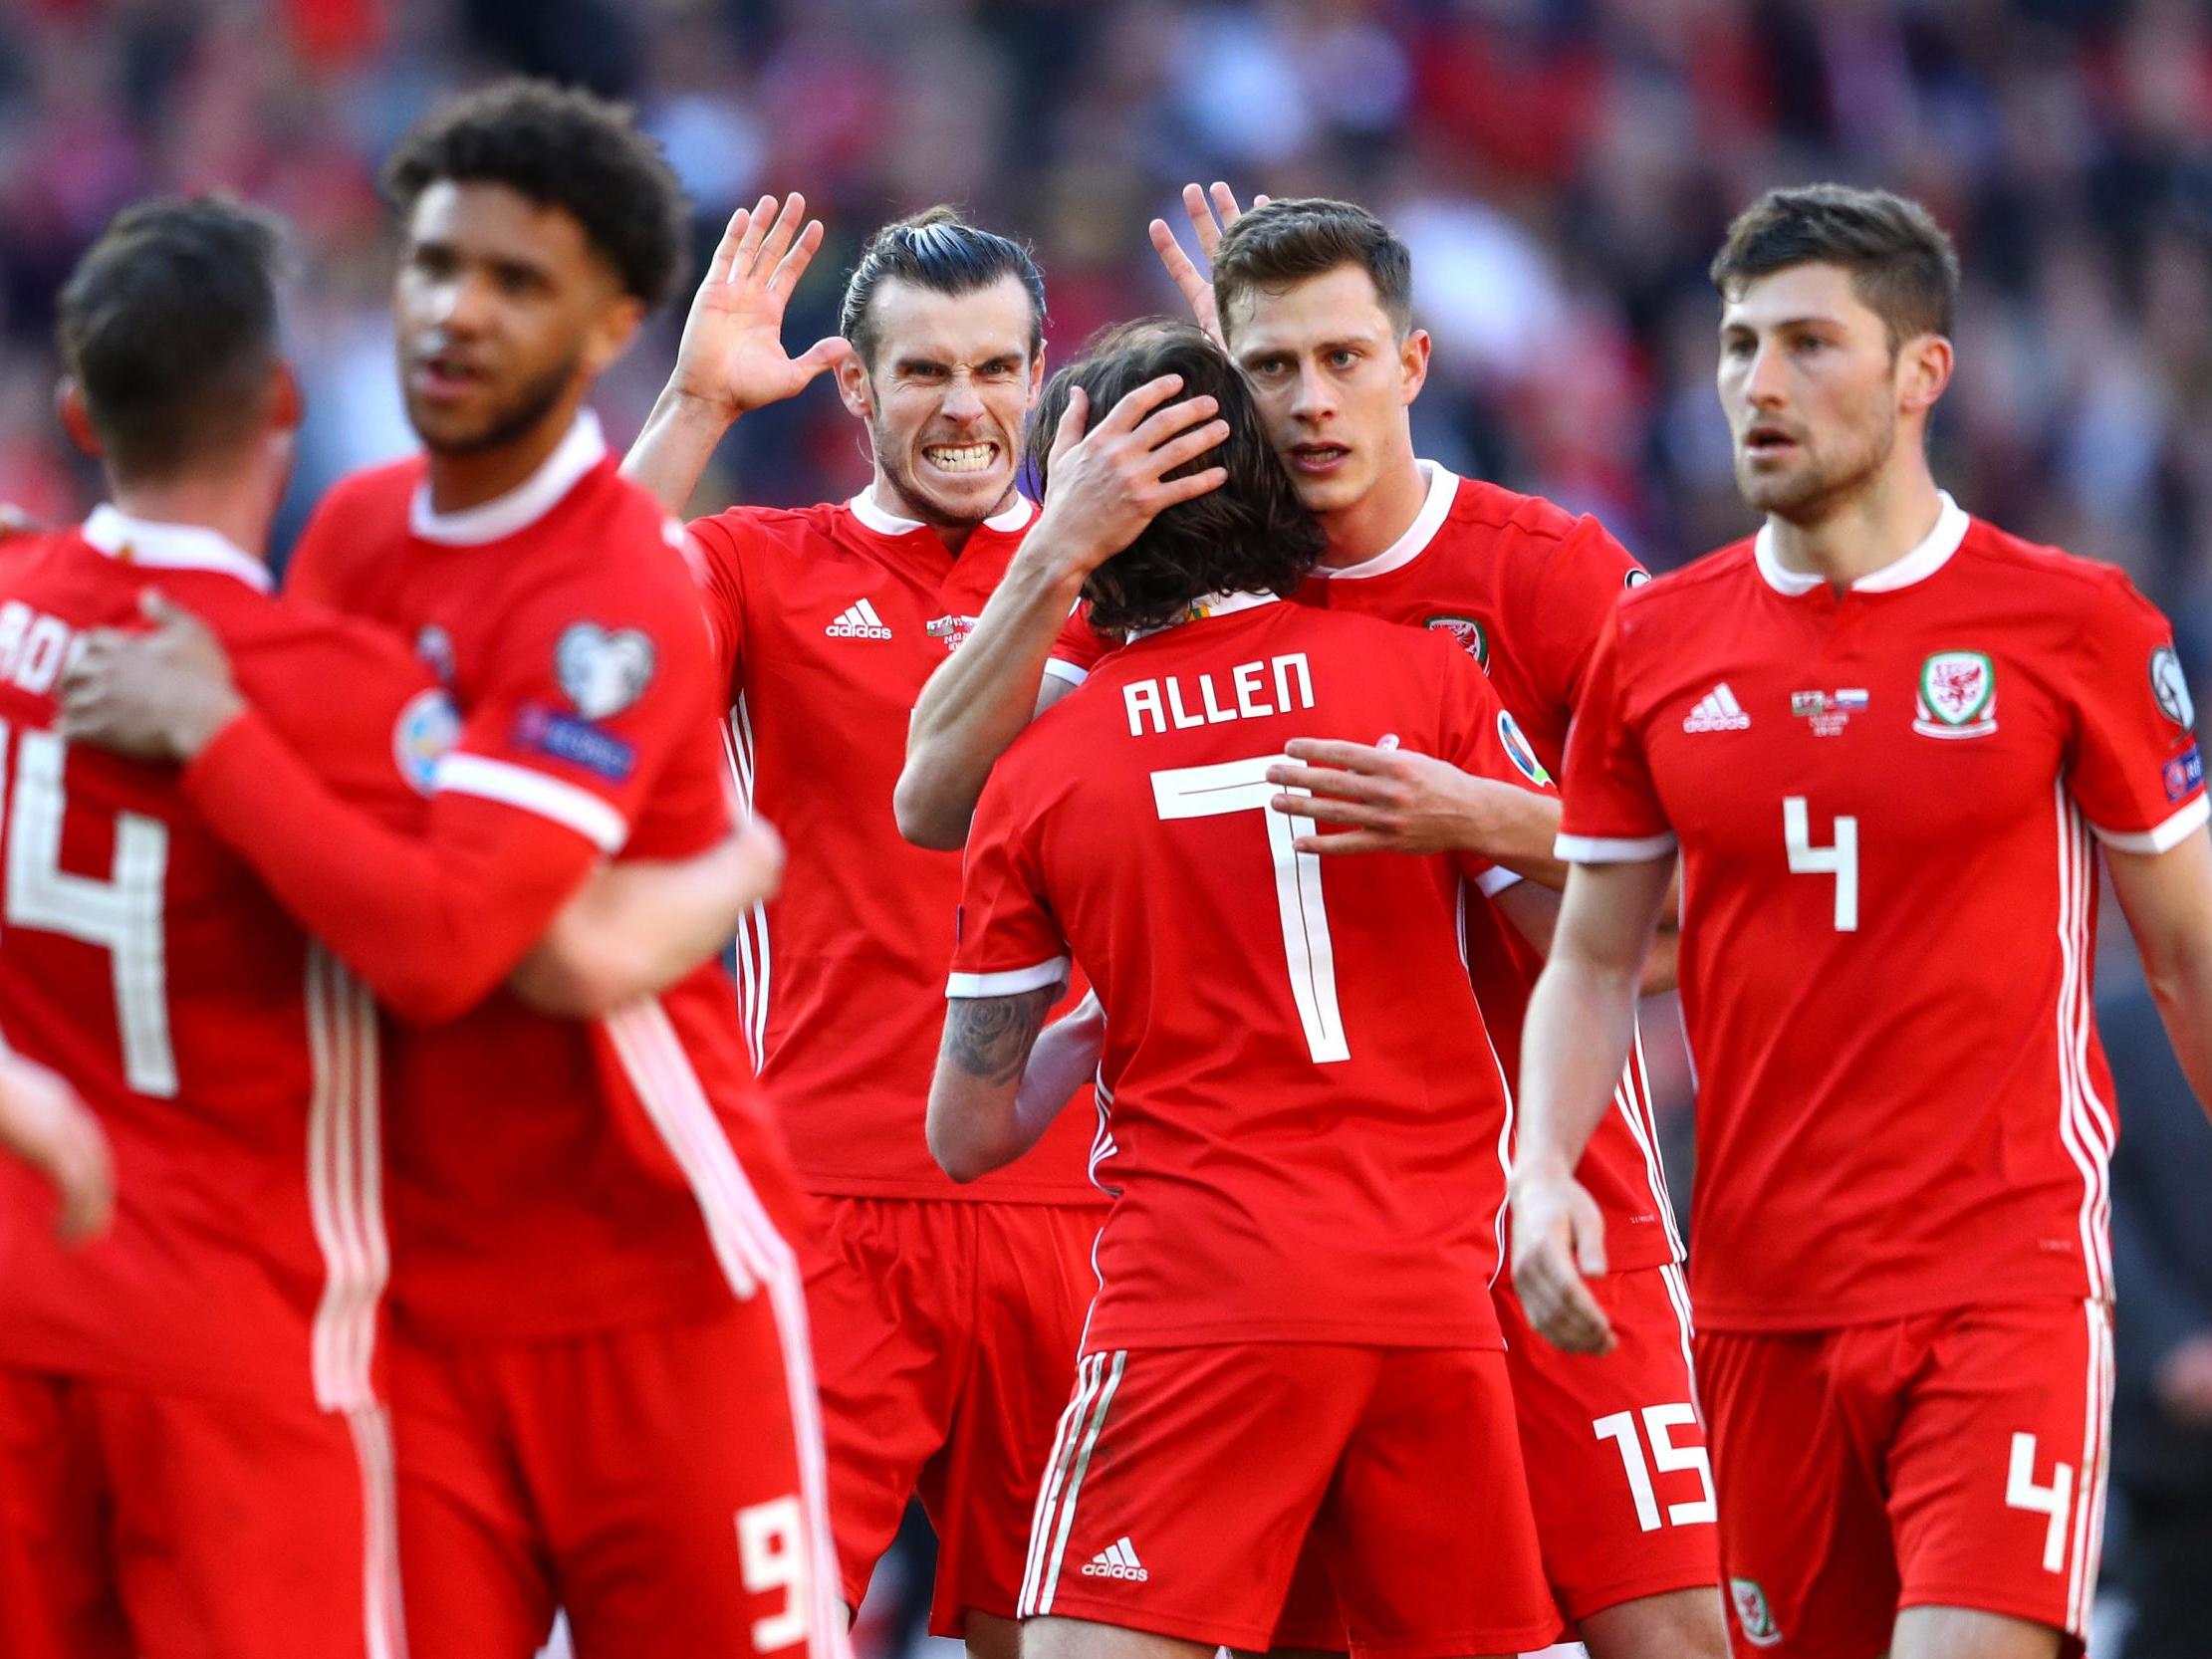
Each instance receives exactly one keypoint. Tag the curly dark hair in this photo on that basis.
(1252, 535)
(169, 325)
(562, 147)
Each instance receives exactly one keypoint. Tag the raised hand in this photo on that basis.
(1104, 485)
(1208, 219)
(732, 356)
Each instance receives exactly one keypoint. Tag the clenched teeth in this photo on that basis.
(966, 457)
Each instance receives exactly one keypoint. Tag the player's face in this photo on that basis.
(1333, 380)
(505, 316)
(947, 396)
(1812, 390)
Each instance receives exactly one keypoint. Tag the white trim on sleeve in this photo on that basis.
(1012, 982)
(1608, 849)
(1495, 880)
(534, 792)
(2161, 838)
(1059, 669)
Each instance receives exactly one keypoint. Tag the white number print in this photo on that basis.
(1242, 787)
(122, 915)
(2052, 1500)
(1838, 858)
(1660, 1424)
(771, 1554)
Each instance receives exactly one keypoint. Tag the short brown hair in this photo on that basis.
(1903, 264)
(1251, 534)
(1288, 241)
(169, 325)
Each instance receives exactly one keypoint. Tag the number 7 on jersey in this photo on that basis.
(1242, 787)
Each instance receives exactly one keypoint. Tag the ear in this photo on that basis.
(1036, 376)
(287, 402)
(1923, 371)
(1414, 364)
(77, 419)
(617, 327)
(857, 393)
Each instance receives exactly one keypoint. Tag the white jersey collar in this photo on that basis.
(1929, 557)
(876, 517)
(1443, 484)
(171, 547)
(1212, 605)
(524, 505)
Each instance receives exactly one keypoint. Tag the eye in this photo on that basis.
(1344, 357)
(1268, 368)
(1736, 346)
(1806, 345)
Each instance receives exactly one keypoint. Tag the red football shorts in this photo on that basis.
(1952, 1460)
(945, 1332)
(662, 1482)
(1186, 1482)
(136, 1525)
(1616, 1449)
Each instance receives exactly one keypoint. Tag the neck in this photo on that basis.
(1358, 530)
(464, 479)
(1868, 530)
(888, 498)
(237, 507)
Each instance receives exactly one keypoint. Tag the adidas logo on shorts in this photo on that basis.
(1717, 712)
(1118, 1560)
(860, 621)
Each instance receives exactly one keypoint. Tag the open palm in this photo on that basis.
(732, 356)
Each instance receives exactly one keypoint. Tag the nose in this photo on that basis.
(461, 303)
(962, 401)
(1312, 401)
(1764, 381)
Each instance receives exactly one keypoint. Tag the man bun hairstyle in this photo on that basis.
(937, 250)
(1286, 241)
(169, 328)
(1252, 535)
(1903, 264)
(562, 147)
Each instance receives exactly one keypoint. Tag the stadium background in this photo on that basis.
(1562, 169)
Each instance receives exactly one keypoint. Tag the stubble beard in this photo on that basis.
(513, 422)
(1816, 490)
(918, 503)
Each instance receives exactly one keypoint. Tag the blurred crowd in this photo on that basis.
(1562, 169)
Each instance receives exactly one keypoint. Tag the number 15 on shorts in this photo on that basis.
(1660, 1424)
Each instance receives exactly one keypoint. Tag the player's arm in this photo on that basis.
(976, 1119)
(2167, 899)
(1392, 800)
(638, 927)
(1581, 1022)
(1103, 486)
(732, 359)
(45, 1123)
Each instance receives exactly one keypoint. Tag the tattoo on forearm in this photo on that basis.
(991, 1037)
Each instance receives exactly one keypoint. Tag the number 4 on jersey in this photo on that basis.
(1838, 858)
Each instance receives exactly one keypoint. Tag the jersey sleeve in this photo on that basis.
(714, 550)
(1482, 739)
(316, 570)
(1566, 607)
(2133, 767)
(1611, 809)
(1078, 649)
(1007, 939)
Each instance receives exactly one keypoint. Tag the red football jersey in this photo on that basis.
(233, 1067)
(551, 1176)
(1884, 802)
(1526, 589)
(1304, 1135)
(827, 621)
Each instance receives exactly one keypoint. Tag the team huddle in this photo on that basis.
(1179, 1112)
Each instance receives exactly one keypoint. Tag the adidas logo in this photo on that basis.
(1119, 1561)
(860, 621)
(1718, 711)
